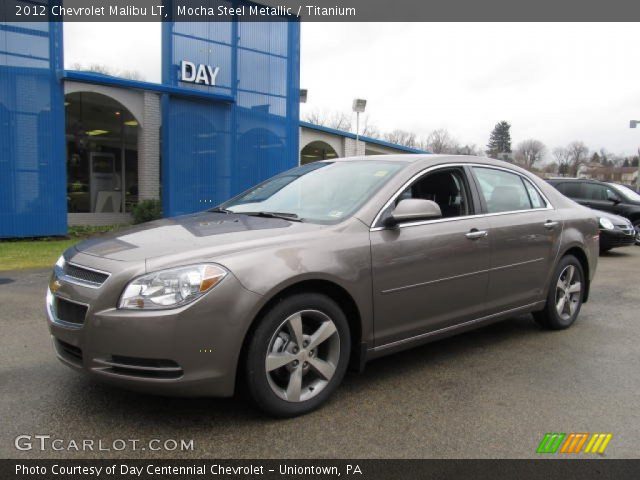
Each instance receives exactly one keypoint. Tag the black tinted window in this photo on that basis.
(594, 191)
(570, 189)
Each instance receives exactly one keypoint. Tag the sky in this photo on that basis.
(556, 82)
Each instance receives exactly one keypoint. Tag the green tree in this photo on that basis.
(500, 139)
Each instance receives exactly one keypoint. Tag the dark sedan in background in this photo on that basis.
(615, 231)
(608, 197)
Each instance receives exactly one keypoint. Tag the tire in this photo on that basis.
(550, 317)
(290, 370)
(636, 225)
(604, 250)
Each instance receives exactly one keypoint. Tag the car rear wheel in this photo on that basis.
(565, 295)
(298, 355)
(636, 225)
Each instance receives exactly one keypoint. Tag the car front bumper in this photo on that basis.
(189, 351)
(615, 238)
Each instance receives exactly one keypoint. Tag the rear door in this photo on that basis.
(431, 274)
(525, 232)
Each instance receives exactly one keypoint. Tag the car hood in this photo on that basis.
(616, 219)
(202, 234)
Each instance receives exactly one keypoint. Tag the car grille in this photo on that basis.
(84, 275)
(70, 312)
(627, 229)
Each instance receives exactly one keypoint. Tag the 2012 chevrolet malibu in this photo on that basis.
(322, 267)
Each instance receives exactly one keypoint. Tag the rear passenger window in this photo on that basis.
(536, 199)
(502, 191)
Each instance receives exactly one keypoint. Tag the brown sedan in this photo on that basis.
(324, 266)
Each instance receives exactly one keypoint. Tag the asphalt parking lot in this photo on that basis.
(491, 393)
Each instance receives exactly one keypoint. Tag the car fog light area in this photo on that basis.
(171, 288)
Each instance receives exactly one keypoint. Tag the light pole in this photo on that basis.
(634, 124)
(359, 105)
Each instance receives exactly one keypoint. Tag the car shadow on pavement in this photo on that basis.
(617, 252)
(105, 402)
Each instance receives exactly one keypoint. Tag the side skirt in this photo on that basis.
(434, 335)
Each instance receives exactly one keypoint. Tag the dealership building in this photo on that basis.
(84, 148)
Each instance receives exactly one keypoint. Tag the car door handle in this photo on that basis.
(549, 224)
(475, 234)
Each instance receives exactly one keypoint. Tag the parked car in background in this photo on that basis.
(608, 197)
(615, 231)
(330, 264)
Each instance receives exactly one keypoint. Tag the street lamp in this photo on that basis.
(359, 105)
(634, 124)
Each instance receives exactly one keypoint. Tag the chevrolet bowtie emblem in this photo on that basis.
(54, 285)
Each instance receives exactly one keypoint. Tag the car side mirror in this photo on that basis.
(414, 209)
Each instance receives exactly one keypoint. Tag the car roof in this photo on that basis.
(573, 179)
(428, 159)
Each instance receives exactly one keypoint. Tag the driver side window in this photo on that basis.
(446, 187)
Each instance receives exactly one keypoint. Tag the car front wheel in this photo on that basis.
(298, 355)
(565, 296)
(636, 225)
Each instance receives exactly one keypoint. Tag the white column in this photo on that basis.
(149, 148)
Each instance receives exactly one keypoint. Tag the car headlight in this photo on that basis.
(60, 262)
(606, 223)
(171, 288)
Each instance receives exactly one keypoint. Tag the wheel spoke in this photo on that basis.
(295, 327)
(561, 285)
(572, 307)
(575, 288)
(279, 359)
(324, 331)
(324, 369)
(570, 272)
(560, 304)
(295, 385)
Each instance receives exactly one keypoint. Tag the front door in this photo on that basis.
(433, 274)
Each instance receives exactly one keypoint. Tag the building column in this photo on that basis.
(353, 148)
(149, 148)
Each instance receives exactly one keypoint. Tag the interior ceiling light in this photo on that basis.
(93, 133)
(131, 123)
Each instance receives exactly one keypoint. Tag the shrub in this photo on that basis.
(147, 210)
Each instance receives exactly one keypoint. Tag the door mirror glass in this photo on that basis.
(414, 209)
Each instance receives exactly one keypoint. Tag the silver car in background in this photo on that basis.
(320, 268)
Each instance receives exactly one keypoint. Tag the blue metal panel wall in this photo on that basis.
(213, 150)
(32, 165)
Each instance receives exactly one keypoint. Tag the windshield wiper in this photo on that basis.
(284, 215)
(219, 210)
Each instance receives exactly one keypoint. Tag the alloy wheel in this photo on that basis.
(302, 356)
(568, 292)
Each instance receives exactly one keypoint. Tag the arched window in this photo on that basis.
(315, 151)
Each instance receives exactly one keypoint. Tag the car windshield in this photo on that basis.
(626, 192)
(322, 192)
